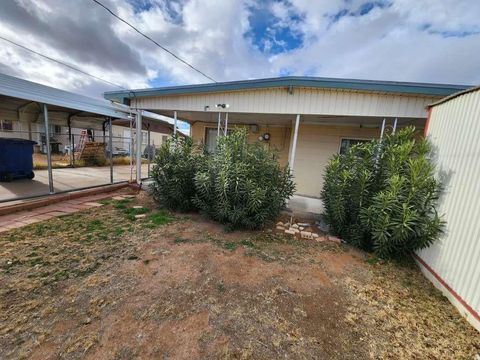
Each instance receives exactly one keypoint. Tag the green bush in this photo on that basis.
(173, 174)
(381, 195)
(242, 185)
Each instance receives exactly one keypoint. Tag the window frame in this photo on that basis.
(351, 138)
(3, 122)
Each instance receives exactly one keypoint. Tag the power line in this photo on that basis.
(153, 41)
(61, 62)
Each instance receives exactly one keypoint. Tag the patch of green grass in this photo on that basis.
(247, 243)
(132, 212)
(372, 260)
(94, 225)
(160, 217)
(230, 245)
(121, 204)
(105, 202)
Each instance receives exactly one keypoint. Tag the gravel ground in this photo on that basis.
(99, 284)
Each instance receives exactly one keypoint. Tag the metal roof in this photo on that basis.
(293, 81)
(23, 89)
(454, 95)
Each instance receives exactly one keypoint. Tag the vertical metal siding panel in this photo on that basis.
(455, 130)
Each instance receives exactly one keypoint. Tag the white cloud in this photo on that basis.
(405, 40)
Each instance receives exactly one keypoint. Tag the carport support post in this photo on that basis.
(110, 146)
(291, 161)
(149, 152)
(49, 150)
(139, 147)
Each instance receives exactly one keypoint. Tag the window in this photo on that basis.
(211, 138)
(164, 139)
(6, 125)
(345, 144)
(57, 129)
(144, 137)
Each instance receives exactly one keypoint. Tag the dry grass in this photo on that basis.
(100, 285)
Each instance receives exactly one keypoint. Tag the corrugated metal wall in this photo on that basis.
(454, 130)
(301, 101)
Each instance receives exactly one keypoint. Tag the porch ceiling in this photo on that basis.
(286, 119)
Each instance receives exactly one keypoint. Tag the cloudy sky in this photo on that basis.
(404, 40)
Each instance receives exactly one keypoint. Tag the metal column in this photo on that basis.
(149, 152)
(218, 125)
(226, 124)
(49, 150)
(294, 144)
(175, 124)
(70, 141)
(139, 147)
(110, 146)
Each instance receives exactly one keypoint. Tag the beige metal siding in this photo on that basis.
(315, 146)
(279, 137)
(302, 101)
(454, 130)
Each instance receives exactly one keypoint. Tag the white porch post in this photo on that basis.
(226, 124)
(174, 123)
(293, 149)
(218, 125)
(139, 147)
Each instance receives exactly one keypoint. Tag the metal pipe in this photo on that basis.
(383, 129)
(149, 152)
(394, 126)
(226, 124)
(49, 150)
(139, 147)
(218, 126)
(130, 148)
(110, 146)
(175, 124)
(294, 143)
(70, 142)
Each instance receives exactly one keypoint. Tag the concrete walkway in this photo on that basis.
(23, 218)
(65, 179)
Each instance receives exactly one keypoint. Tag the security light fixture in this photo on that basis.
(223, 106)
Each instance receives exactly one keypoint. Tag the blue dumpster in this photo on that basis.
(16, 159)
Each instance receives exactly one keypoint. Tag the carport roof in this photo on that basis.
(27, 90)
(293, 81)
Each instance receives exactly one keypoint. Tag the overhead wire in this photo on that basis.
(153, 41)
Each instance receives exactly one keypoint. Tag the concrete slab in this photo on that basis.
(64, 179)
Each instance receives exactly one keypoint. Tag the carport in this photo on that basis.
(25, 105)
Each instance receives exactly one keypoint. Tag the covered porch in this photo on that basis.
(304, 142)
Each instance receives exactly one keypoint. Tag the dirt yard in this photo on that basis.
(101, 285)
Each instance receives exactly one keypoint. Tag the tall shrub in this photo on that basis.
(381, 195)
(242, 185)
(173, 174)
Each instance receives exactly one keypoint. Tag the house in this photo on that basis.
(452, 263)
(305, 119)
